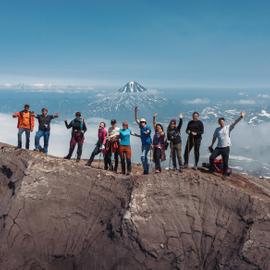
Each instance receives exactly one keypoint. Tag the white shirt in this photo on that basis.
(223, 136)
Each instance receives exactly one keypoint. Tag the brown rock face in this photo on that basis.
(56, 214)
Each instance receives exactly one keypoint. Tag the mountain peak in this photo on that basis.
(132, 87)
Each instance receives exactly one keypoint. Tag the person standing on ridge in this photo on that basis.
(77, 135)
(174, 136)
(112, 147)
(26, 123)
(100, 145)
(125, 149)
(44, 127)
(159, 144)
(194, 129)
(222, 134)
(145, 139)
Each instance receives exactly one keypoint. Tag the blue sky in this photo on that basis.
(158, 43)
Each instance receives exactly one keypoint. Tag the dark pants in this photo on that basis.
(220, 151)
(46, 136)
(97, 150)
(176, 151)
(157, 158)
(108, 160)
(27, 137)
(77, 138)
(196, 143)
(125, 156)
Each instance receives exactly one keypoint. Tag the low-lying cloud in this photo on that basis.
(250, 149)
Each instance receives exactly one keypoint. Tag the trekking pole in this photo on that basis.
(99, 159)
(170, 160)
(150, 158)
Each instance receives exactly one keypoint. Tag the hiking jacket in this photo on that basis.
(77, 125)
(25, 120)
(195, 126)
(173, 134)
(102, 134)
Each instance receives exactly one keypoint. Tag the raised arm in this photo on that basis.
(180, 122)
(136, 115)
(154, 120)
(242, 115)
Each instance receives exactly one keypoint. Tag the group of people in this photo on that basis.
(115, 142)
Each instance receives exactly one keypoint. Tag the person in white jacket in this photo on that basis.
(222, 135)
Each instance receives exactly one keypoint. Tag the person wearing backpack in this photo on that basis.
(100, 145)
(77, 135)
(112, 147)
(26, 123)
(145, 139)
(174, 136)
(223, 135)
(44, 127)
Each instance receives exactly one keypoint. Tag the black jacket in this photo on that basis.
(195, 126)
(77, 125)
(173, 134)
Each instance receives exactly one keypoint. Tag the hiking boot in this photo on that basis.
(67, 157)
(78, 160)
(185, 166)
(88, 163)
(195, 168)
(180, 170)
(157, 171)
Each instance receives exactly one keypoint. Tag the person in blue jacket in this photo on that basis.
(145, 139)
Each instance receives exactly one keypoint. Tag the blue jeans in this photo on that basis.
(27, 136)
(144, 159)
(46, 136)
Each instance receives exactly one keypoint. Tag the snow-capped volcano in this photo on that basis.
(132, 87)
(125, 99)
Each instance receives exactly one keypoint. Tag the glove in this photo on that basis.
(102, 147)
(210, 148)
(181, 116)
(194, 133)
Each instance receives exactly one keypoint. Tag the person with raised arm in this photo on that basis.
(159, 144)
(44, 127)
(223, 136)
(174, 136)
(77, 135)
(26, 123)
(145, 134)
(195, 129)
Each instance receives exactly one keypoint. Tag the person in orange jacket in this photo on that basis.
(26, 122)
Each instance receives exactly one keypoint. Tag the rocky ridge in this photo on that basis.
(57, 214)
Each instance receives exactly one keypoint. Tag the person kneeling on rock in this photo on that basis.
(77, 136)
(222, 134)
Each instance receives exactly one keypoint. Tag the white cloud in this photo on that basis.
(263, 96)
(245, 102)
(197, 101)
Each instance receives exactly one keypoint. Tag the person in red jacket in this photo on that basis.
(26, 123)
(100, 145)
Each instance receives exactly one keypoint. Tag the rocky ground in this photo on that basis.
(57, 214)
